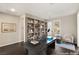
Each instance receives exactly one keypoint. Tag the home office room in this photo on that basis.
(39, 28)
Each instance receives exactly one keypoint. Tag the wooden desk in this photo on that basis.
(64, 48)
(50, 46)
(66, 45)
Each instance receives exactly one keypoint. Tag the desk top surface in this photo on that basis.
(67, 46)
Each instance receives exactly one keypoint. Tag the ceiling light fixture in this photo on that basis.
(12, 9)
(51, 3)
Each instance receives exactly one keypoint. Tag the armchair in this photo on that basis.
(68, 38)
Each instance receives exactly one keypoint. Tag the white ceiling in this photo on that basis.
(42, 10)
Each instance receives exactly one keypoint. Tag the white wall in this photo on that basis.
(22, 28)
(68, 24)
(78, 29)
(10, 37)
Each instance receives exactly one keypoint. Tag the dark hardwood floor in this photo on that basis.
(14, 49)
(18, 49)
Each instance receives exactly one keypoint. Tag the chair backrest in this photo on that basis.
(68, 38)
(43, 39)
(39, 48)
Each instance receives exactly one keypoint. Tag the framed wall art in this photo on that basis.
(56, 26)
(8, 27)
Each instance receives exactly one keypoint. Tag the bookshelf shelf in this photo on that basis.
(35, 28)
